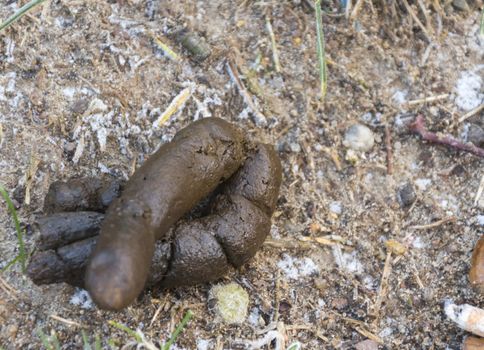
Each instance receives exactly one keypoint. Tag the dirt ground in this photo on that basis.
(82, 82)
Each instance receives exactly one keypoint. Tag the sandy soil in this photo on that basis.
(82, 82)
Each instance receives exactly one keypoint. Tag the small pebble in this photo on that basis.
(359, 138)
(232, 302)
(476, 135)
(367, 345)
(196, 45)
(460, 5)
(339, 303)
(406, 195)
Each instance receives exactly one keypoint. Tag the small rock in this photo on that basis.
(476, 135)
(367, 345)
(339, 303)
(79, 106)
(460, 5)
(232, 302)
(406, 195)
(359, 138)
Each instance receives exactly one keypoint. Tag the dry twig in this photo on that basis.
(418, 126)
(388, 146)
(434, 224)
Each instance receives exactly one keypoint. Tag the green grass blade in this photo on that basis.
(20, 13)
(178, 330)
(482, 23)
(50, 343)
(323, 73)
(85, 341)
(22, 255)
(97, 343)
(127, 330)
(44, 339)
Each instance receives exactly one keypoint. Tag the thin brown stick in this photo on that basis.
(388, 146)
(471, 113)
(67, 322)
(233, 72)
(434, 224)
(427, 99)
(383, 285)
(8, 289)
(418, 126)
(415, 18)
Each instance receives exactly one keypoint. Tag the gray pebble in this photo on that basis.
(406, 195)
(460, 5)
(359, 138)
(476, 135)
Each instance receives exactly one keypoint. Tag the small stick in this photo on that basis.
(418, 126)
(388, 146)
(434, 224)
(7, 288)
(232, 70)
(369, 335)
(356, 9)
(275, 52)
(471, 113)
(383, 284)
(68, 322)
(277, 297)
(176, 105)
(479, 191)
(302, 327)
(155, 316)
(428, 99)
(415, 18)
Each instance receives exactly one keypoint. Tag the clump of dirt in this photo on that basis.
(84, 83)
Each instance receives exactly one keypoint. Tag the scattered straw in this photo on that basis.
(32, 169)
(415, 18)
(275, 52)
(7, 288)
(479, 191)
(382, 291)
(176, 105)
(167, 51)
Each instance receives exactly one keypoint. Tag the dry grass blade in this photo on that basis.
(20, 13)
(176, 105)
(275, 52)
(323, 73)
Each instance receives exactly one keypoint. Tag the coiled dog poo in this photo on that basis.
(165, 188)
